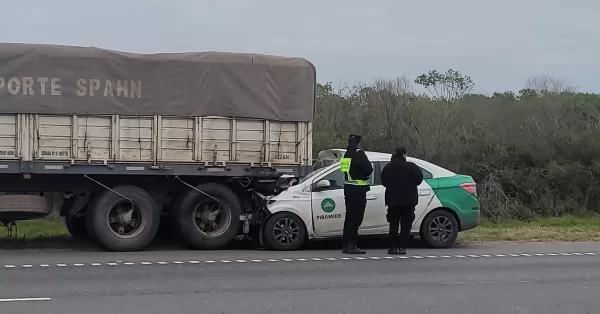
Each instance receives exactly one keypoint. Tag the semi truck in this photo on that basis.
(124, 143)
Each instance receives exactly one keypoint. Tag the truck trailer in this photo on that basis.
(122, 143)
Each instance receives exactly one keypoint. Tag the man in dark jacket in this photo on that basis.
(401, 179)
(357, 170)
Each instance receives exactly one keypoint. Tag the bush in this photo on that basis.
(532, 154)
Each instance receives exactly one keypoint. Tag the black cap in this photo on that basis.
(358, 138)
(400, 150)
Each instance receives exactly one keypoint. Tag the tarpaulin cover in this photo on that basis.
(51, 79)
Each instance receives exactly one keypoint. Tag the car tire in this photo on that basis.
(284, 225)
(104, 208)
(432, 233)
(186, 216)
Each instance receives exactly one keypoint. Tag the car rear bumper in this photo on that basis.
(469, 220)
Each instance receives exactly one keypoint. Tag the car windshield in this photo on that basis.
(317, 167)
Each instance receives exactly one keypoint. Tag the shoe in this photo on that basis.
(393, 251)
(402, 251)
(352, 249)
(344, 248)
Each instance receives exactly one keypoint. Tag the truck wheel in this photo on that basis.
(76, 226)
(119, 225)
(439, 229)
(284, 232)
(208, 222)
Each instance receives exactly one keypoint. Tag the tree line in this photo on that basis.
(533, 153)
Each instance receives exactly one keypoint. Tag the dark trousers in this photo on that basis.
(403, 218)
(355, 198)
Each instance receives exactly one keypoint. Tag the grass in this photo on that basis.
(51, 233)
(562, 229)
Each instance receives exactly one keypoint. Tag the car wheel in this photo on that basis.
(284, 232)
(439, 229)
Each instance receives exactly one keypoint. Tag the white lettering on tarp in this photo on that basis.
(95, 84)
(28, 86)
(55, 86)
(108, 89)
(43, 81)
(121, 88)
(14, 86)
(83, 87)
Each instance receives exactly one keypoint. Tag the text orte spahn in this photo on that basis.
(52, 86)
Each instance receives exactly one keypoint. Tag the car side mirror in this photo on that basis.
(322, 185)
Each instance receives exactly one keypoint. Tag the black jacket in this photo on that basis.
(401, 179)
(360, 167)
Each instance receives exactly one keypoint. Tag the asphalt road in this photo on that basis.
(500, 278)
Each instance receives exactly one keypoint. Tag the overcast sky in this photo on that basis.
(498, 43)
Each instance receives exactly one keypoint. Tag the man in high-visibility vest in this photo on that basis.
(357, 170)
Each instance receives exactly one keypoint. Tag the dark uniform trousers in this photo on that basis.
(355, 198)
(402, 217)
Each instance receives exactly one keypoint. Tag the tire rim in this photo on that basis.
(441, 229)
(125, 221)
(286, 231)
(211, 218)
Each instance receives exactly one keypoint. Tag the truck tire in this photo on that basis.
(114, 224)
(76, 226)
(206, 223)
(284, 231)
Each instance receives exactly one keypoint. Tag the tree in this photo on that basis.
(543, 85)
(448, 86)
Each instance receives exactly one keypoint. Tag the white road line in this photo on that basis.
(120, 263)
(25, 299)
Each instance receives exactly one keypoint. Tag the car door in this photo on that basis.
(329, 210)
(425, 196)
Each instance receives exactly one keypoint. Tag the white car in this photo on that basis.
(314, 208)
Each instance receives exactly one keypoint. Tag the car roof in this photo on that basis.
(377, 156)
